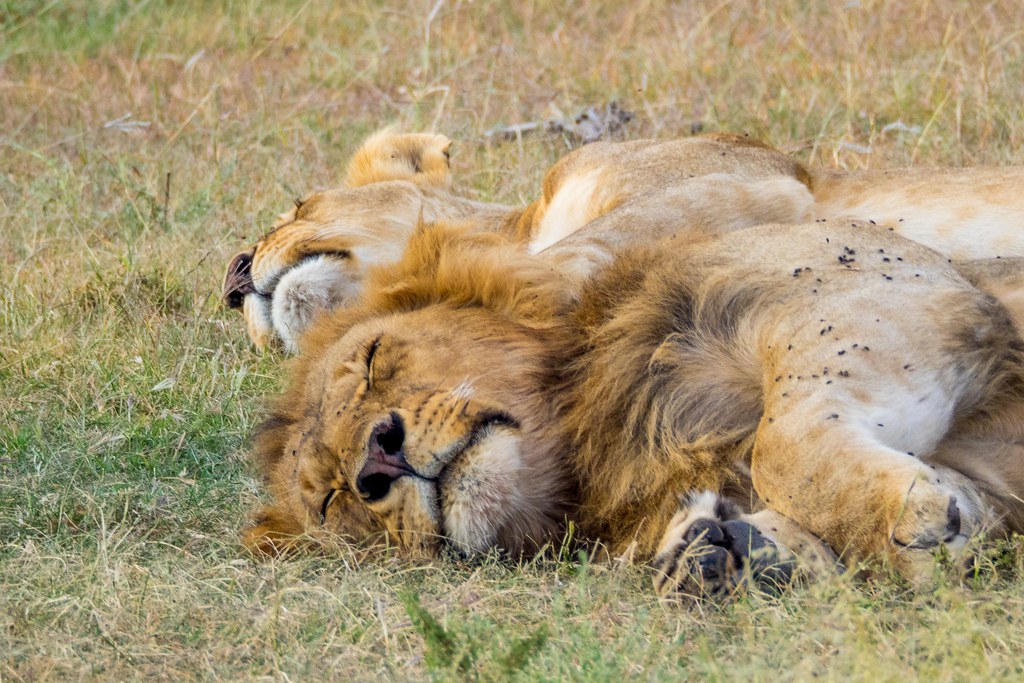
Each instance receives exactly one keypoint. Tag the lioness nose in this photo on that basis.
(385, 461)
(238, 280)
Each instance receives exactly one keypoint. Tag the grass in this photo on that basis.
(128, 390)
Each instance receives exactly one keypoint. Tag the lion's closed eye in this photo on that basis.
(371, 354)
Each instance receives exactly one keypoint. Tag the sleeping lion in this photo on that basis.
(731, 410)
(318, 253)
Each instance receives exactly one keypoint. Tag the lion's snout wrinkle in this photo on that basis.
(238, 280)
(385, 461)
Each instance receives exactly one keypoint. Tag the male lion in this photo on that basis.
(317, 255)
(715, 408)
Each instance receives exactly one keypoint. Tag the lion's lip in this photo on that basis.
(482, 427)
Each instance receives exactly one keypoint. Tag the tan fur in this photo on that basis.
(316, 440)
(600, 177)
(392, 182)
(967, 213)
(1002, 278)
(622, 193)
(835, 381)
(421, 158)
(720, 182)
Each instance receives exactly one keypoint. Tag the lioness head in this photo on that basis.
(317, 253)
(423, 414)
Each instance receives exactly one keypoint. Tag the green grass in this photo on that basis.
(127, 391)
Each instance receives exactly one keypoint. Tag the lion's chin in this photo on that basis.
(482, 494)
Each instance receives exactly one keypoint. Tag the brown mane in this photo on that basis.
(619, 396)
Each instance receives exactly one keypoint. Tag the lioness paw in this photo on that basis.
(707, 552)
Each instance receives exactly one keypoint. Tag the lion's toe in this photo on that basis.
(770, 570)
(712, 557)
(931, 520)
(699, 565)
(930, 517)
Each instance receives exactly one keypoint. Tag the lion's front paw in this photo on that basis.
(706, 552)
(930, 520)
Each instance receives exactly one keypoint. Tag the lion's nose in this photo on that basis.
(385, 460)
(238, 280)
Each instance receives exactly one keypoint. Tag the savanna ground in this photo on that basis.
(141, 143)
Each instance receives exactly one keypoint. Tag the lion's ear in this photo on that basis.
(421, 158)
(274, 533)
(267, 442)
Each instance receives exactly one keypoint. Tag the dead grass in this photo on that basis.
(127, 390)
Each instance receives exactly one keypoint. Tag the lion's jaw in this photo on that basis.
(315, 285)
(481, 491)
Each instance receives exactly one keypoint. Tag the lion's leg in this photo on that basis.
(821, 467)
(814, 558)
(710, 547)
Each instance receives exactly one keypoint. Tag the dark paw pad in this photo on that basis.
(713, 558)
(759, 557)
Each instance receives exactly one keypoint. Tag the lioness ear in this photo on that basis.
(418, 157)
